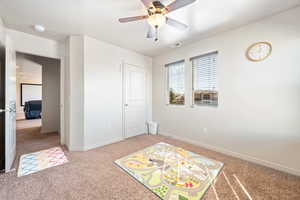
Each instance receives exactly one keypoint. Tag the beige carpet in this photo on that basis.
(93, 175)
(24, 124)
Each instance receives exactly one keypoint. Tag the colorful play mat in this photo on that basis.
(171, 172)
(34, 162)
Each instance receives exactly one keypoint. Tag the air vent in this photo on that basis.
(177, 45)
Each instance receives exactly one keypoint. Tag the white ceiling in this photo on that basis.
(99, 19)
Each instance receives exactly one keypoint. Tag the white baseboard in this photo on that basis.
(20, 115)
(48, 131)
(75, 148)
(238, 155)
(97, 145)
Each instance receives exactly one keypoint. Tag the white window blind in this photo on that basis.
(176, 79)
(205, 79)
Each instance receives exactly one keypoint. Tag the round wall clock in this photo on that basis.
(259, 51)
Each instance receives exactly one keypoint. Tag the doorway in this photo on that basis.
(38, 103)
(134, 79)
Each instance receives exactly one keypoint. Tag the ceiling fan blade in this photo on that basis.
(176, 24)
(147, 3)
(131, 19)
(179, 4)
(151, 32)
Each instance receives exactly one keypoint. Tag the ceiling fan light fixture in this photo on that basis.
(157, 16)
(157, 20)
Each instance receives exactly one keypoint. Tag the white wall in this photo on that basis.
(2, 32)
(75, 93)
(28, 71)
(66, 93)
(103, 90)
(51, 95)
(258, 113)
(95, 91)
(31, 44)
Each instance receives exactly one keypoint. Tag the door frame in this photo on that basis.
(122, 66)
(62, 62)
(2, 126)
(10, 153)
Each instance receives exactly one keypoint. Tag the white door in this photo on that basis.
(10, 105)
(134, 100)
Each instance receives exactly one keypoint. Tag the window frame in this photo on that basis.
(193, 80)
(167, 78)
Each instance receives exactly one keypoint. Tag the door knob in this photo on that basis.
(4, 110)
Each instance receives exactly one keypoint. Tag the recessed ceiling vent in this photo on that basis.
(177, 45)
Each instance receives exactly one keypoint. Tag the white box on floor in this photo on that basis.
(152, 127)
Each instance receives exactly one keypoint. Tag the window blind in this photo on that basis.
(176, 85)
(205, 78)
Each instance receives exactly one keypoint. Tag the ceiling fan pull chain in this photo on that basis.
(156, 34)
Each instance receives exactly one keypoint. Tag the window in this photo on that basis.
(205, 79)
(175, 77)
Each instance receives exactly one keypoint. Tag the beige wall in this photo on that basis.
(51, 95)
(259, 103)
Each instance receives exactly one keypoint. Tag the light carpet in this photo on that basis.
(93, 175)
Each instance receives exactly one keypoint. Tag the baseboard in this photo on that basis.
(20, 116)
(97, 145)
(238, 155)
(48, 131)
(75, 148)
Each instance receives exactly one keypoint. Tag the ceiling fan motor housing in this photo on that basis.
(158, 4)
(157, 8)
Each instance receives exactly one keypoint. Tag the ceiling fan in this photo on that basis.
(157, 16)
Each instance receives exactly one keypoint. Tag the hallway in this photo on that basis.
(30, 139)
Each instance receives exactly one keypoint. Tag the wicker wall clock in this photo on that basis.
(259, 51)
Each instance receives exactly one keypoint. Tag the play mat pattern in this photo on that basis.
(34, 162)
(171, 172)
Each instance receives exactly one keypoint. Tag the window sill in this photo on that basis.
(204, 105)
(193, 106)
(176, 105)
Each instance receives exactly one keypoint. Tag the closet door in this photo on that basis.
(135, 100)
